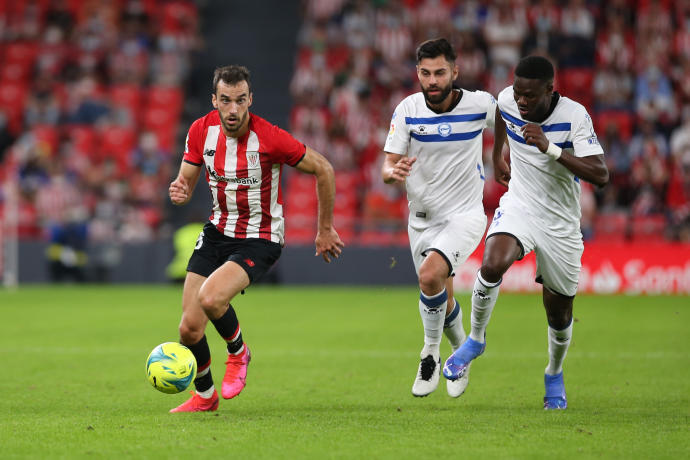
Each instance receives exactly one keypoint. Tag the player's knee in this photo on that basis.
(559, 320)
(211, 302)
(190, 334)
(430, 283)
(492, 270)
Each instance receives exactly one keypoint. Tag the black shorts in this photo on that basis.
(213, 249)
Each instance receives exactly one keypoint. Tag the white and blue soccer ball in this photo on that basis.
(171, 367)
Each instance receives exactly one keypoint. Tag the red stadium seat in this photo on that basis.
(48, 137)
(83, 139)
(117, 142)
(127, 96)
(164, 123)
(576, 83)
(611, 227)
(165, 97)
(12, 101)
(623, 120)
(649, 229)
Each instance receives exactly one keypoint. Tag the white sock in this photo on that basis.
(208, 393)
(559, 341)
(484, 297)
(432, 309)
(452, 327)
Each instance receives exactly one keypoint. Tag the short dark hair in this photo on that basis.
(232, 75)
(535, 67)
(435, 48)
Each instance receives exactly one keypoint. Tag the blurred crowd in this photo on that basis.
(90, 104)
(627, 61)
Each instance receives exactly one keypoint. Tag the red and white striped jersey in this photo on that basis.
(244, 174)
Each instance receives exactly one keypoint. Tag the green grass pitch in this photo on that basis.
(331, 375)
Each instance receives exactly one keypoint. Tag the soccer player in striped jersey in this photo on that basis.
(435, 147)
(242, 156)
(552, 147)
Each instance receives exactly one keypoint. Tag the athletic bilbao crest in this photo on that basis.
(253, 159)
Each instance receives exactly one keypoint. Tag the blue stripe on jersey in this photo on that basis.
(450, 137)
(515, 136)
(563, 145)
(545, 128)
(479, 168)
(445, 119)
(556, 127)
(509, 117)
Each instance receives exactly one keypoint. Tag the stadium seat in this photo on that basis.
(12, 101)
(127, 96)
(48, 136)
(611, 227)
(117, 142)
(162, 122)
(577, 84)
(622, 119)
(83, 139)
(167, 98)
(649, 229)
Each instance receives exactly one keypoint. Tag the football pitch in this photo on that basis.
(331, 375)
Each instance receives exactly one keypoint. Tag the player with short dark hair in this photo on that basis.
(552, 147)
(435, 147)
(242, 156)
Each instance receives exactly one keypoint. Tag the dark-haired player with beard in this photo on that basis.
(435, 147)
(242, 156)
(552, 147)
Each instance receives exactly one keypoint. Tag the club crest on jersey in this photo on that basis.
(444, 129)
(253, 159)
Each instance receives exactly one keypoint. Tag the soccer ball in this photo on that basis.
(171, 367)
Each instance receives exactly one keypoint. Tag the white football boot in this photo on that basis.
(457, 387)
(427, 375)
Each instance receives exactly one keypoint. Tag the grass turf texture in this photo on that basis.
(331, 375)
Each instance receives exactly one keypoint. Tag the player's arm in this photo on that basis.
(328, 243)
(501, 166)
(396, 167)
(181, 189)
(591, 168)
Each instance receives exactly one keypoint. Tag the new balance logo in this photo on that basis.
(209, 153)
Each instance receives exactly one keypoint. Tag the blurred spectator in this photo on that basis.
(654, 98)
(613, 88)
(73, 87)
(504, 31)
(577, 29)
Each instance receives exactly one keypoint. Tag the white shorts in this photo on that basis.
(558, 255)
(455, 238)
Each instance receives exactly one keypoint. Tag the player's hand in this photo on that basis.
(402, 169)
(179, 191)
(501, 171)
(328, 244)
(533, 135)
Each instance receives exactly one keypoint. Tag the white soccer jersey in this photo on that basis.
(539, 185)
(448, 176)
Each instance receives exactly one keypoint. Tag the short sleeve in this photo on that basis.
(490, 111)
(193, 149)
(284, 148)
(585, 141)
(398, 139)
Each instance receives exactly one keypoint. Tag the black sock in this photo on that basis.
(229, 328)
(201, 352)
